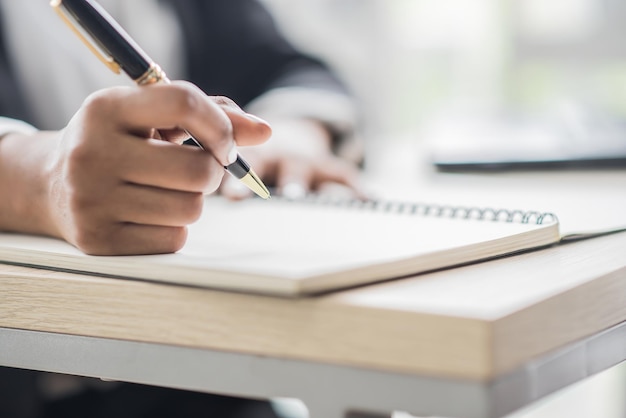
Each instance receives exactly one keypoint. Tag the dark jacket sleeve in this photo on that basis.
(234, 49)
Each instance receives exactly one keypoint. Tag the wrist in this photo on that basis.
(25, 176)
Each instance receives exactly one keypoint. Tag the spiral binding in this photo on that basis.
(434, 210)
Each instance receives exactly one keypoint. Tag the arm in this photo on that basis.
(108, 184)
(23, 174)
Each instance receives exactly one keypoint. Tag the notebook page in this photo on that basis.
(282, 247)
(297, 239)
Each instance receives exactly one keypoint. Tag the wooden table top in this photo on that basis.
(474, 322)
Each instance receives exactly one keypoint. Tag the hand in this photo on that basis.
(296, 160)
(111, 187)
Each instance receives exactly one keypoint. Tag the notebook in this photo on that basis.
(292, 248)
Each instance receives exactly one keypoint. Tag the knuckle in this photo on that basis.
(213, 177)
(199, 170)
(79, 158)
(175, 239)
(101, 101)
(221, 136)
(76, 210)
(215, 180)
(92, 242)
(95, 102)
(190, 105)
(87, 244)
(184, 101)
(225, 101)
(224, 130)
(80, 204)
(203, 170)
(192, 207)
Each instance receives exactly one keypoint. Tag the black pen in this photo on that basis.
(124, 54)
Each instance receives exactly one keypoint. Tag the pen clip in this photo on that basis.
(57, 5)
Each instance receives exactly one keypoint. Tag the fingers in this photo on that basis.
(182, 106)
(169, 166)
(178, 106)
(132, 219)
(342, 179)
(309, 174)
(152, 206)
(149, 239)
(341, 172)
(133, 239)
(248, 129)
(176, 135)
(296, 176)
(123, 184)
(136, 220)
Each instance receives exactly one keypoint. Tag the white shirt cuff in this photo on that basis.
(8, 125)
(335, 110)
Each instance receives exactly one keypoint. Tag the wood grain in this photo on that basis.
(474, 322)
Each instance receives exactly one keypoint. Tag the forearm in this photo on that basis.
(24, 178)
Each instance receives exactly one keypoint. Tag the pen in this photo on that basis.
(125, 55)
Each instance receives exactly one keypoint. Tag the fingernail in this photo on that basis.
(232, 155)
(255, 118)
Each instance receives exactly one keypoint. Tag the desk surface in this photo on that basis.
(479, 323)
(475, 322)
(517, 329)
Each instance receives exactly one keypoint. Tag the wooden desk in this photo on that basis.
(516, 329)
(473, 342)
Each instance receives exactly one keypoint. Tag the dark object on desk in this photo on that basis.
(572, 139)
(478, 165)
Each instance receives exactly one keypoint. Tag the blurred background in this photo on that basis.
(559, 64)
(420, 67)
